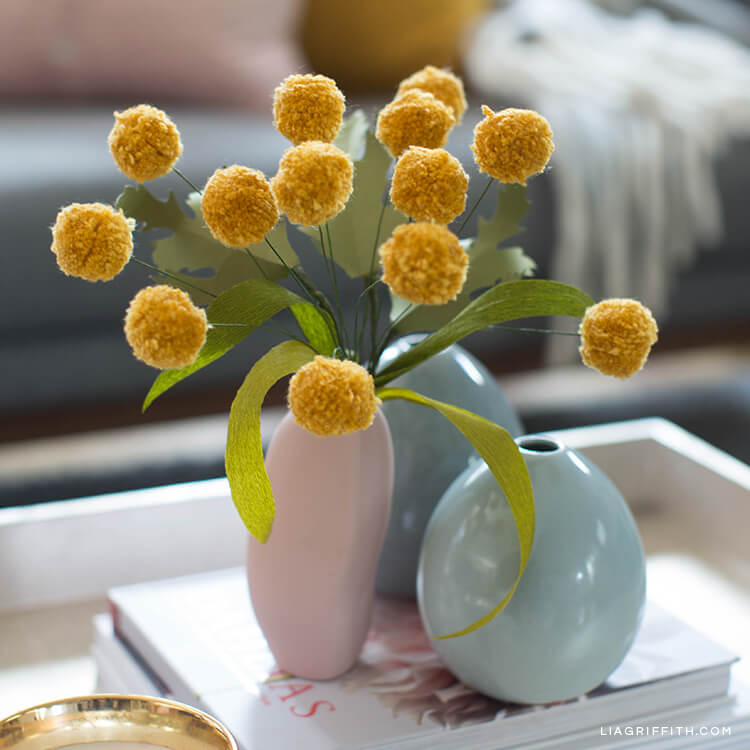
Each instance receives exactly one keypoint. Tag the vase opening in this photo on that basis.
(539, 445)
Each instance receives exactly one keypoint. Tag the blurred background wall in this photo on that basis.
(646, 195)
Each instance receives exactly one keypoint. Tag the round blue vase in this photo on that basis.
(580, 601)
(430, 453)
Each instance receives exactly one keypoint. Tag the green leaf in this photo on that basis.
(245, 306)
(500, 452)
(246, 471)
(191, 248)
(488, 264)
(510, 300)
(512, 206)
(352, 136)
(317, 326)
(139, 204)
(359, 229)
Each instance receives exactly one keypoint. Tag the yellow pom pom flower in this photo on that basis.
(429, 184)
(424, 263)
(416, 118)
(144, 142)
(308, 108)
(313, 183)
(92, 241)
(238, 206)
(164, 328)
(332, 397)
(442, 84)
(617, 336)
(513, 144)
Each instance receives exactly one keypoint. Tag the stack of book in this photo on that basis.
(195, 639)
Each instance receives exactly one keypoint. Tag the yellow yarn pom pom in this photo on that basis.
(416, 118)
(424, 263)
(144, 142)
(513, 144)
(238, 206)
(313, 183)
(617, 336)
(308, 108)
(164, 328)
(332, 397)
(429, 185)
(92, 241)
(442, 84)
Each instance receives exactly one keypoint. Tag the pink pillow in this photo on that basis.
(224, 51)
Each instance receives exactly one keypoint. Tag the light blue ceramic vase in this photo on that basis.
(430, 453)
(579, 604)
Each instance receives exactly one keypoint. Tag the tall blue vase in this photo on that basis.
(430, 453)
(580, 601)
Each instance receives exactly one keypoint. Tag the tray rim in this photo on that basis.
(35, 540)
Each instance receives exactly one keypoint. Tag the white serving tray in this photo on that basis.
(57, 560)
(690, 498)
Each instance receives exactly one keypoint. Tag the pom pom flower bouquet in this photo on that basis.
(387, 228)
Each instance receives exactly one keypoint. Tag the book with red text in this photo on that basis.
(198, 640)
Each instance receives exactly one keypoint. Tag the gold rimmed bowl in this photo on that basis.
(113, 722)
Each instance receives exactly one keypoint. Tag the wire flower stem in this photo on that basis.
(321, 302)
(189, 182)
(308, 288)
(474, 208)
(358, 335)
(338, 317)
(257, 263)
(335, 283)
(535, 330)
(161, 271)
(390, 331)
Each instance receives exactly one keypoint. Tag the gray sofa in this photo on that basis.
(63, 360)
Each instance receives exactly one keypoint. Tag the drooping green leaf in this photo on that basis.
(246, 470)
(500, 452)
(366, 221)
(191, 248)
(317, 326)
(244, 306)
(510, 300)
(488, 264)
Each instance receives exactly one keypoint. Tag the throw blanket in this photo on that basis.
(640, 107)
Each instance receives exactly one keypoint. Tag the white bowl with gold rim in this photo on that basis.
(113, 722)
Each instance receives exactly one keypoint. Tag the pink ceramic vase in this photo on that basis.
(312, 584)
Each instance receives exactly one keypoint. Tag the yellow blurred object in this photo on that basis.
(368, 45)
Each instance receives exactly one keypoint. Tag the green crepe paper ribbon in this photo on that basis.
(500, 452)
(510, 300)
(317, 325)
(246, 470)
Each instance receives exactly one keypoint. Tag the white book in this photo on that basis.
(119, 670)
(112, 655)
(199, 640)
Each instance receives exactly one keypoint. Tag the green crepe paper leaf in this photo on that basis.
(354, 232)
(246, 470)
(191, 247)
(500, 452)
(510, 300)
(351, 137)
(139, 204)
(246, 306)
(488, 264)
(312, 322)
(512, 205)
